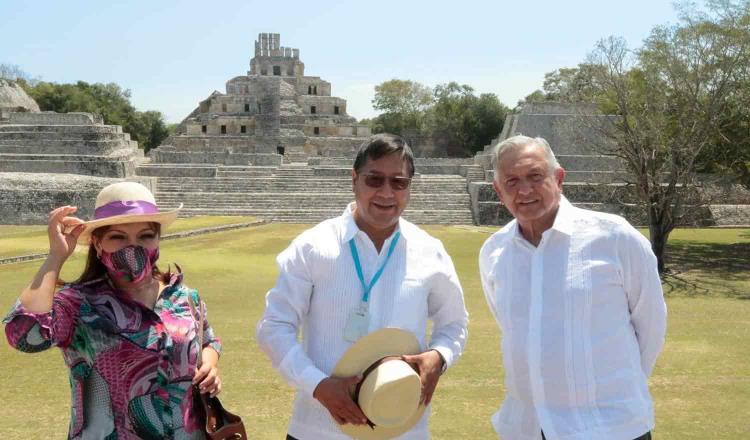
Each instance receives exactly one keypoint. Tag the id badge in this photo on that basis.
(357, 324)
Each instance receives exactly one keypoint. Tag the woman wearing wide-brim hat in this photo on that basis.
(127, 330)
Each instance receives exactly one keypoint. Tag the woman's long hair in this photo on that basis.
(95, 270)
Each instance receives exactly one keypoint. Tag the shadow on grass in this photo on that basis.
(702, 268)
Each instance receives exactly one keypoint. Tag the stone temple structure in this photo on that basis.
(50, 159)
(593, 180)
(279, 167)
(274, 110)
(277, 145)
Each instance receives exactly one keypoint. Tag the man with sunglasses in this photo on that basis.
(351, 275)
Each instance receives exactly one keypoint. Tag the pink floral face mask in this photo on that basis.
(131, 264)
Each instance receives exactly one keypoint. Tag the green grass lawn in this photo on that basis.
(701, 385)
(24, 240)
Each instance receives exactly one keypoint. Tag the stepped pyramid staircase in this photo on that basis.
(88, 149)
(593, 180)
(296, 193)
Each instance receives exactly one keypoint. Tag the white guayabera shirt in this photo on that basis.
(318, 288)
(583, 320)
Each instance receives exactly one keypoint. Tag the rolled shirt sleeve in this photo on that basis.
(33, 332)
(277, 331)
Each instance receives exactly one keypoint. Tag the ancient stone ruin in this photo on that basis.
(13, 99)
(277, 146)
(593, 180)
(273, 111)
(51, 159)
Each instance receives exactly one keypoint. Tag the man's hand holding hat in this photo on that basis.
(335, 394)
(430, 367)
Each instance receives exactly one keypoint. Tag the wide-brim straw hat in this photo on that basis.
(389, 393)
(126, 202)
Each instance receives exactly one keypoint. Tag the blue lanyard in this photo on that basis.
(376, 277)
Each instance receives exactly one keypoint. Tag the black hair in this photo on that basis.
(381, 145)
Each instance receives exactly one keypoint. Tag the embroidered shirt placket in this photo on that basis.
(535, 326)
(509, 328)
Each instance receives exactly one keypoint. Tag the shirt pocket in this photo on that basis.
(410, 305)
(604, 282)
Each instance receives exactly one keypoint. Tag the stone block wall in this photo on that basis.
(333, 146)
(240, 144)
(214, 157)
(324, 105)
(52, 118)
(731, 215)
(27, 199)
(90, 166)
(232, 126)
(558, 108)
(566, 134)
(444, 161)
(327, 129)
(322, 87)
(245, 104)
(181, 170)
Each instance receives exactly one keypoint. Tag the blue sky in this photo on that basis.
(173, 54)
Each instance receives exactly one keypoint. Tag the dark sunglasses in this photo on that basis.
(398, 183)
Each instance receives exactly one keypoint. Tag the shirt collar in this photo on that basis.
(350, 228)
(563, 219)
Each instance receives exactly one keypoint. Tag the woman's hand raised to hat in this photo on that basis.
(63, 232)
(335, 394)
(429, 364)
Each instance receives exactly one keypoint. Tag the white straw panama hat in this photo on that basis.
(390, 390)
(126, 202)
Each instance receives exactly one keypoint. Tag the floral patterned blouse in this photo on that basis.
(130, 367)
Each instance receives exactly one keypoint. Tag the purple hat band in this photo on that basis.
(125, 207)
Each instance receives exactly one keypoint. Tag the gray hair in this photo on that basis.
(518, 142)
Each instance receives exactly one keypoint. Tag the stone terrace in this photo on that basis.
(300, 193)
(593, 181)
(74, 143)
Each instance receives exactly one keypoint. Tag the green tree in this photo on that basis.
(404, 104)
(535, 96)
(154, 128)
(490, 114)
(670, 103)
(402, 96)
(108, 100)
(574, 84)
(461, 119)
(567, 84)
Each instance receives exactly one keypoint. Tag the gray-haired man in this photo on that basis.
(579, 301)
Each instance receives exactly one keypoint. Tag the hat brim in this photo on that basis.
(366, 351)
(164, 218)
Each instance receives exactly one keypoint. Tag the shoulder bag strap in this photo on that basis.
(198, 315)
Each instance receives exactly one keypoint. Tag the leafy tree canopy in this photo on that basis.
(108, 100)
(450, 114)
